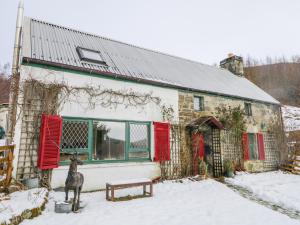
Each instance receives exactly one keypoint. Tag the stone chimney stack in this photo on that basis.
(234, 64)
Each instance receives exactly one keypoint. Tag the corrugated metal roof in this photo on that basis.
(56, 44)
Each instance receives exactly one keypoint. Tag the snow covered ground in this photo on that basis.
(291, 117)
(20, 201)
(277, 187)
(206, 202)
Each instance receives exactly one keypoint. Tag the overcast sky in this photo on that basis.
(202, 30)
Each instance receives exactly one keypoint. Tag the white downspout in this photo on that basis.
(14, 86)
(17, 44)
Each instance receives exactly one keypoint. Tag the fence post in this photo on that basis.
(6, 165)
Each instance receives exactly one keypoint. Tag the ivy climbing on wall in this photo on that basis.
(232, 118)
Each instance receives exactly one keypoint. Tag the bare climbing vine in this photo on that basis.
(167, 112)
(96, 95)
(275, 128)
(232, 118)
(234, 121)
(39, 97)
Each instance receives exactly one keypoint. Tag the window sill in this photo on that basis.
(109, 164)
(254, 160)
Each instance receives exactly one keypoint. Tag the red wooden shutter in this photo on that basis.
(261, 147)
(162, 141)
(246, 146)
(50, 135)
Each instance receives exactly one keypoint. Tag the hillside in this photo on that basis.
(281, 80)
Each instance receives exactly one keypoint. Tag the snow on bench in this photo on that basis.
(121, 184)
(129, 181)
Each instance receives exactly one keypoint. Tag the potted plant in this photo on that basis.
(202, 169)
(228, 168)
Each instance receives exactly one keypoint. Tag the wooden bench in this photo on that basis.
(115, 185)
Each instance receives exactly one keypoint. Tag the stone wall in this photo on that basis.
(266, 119)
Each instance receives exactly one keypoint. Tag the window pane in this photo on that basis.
(196, 103)
(248, 109)
(74, 135)
(253, 146)
(201, 104)
(140, 155)
(91, 55)
(109, 140)
(139, 136)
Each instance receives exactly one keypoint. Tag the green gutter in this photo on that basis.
(119, 77)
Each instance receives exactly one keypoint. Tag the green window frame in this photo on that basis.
(253, 148)
(84, 132)
(198, 103)
(78, 142)
(138, 148)
(248, 108)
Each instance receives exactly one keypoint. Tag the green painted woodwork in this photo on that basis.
(252, 146)
(90, 139)
(91, 143)
(148, 135)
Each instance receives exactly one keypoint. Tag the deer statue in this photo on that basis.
(74, 182)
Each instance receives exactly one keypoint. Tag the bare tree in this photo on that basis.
(4, 83)
(278, 76)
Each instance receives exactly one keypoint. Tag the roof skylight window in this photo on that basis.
(90, 55)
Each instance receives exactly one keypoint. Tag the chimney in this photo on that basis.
(234, 64)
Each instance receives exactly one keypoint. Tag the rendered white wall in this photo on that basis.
(77, 107)
(97, 175)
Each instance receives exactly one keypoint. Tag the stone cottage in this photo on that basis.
(128, 111)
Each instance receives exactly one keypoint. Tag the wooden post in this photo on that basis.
(7, 164)
(144, 189)
(151, 189)
(112, 188)
(107, 191)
